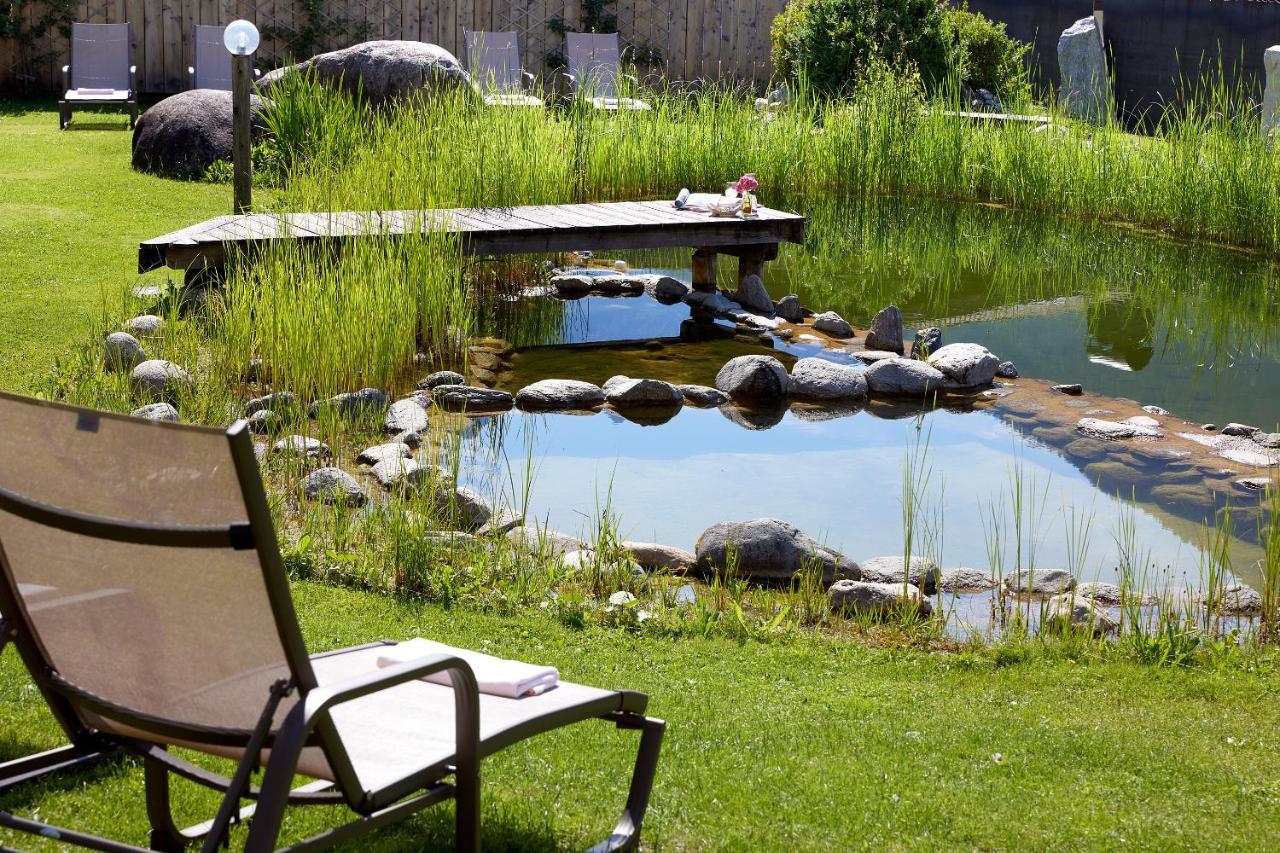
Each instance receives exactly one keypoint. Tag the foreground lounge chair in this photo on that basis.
(213, 63)
(100, 73)
(493, 59)
(141, 583)
(594, 69)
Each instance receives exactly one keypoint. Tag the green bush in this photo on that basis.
(831, 44)
(984, 56)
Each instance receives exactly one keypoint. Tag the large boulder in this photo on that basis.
(1085, 87)
(753, 378)
(820, 379)
(752, 294)
(967, 365)
(185, 134)
(1040, 581)
(1071, 611)
(902, 377)
(384, 71)
(550, 394)
(886, 331)
(625, 392)
(876, 600)
(768, 549)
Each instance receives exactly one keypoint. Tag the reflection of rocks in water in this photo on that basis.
(757, 417)
(896, 410)
(1120, 335)
(816, 413)
(647, 415)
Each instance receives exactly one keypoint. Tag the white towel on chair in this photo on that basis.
(495, 676)
(94, 93)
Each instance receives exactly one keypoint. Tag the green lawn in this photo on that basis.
(805, 744)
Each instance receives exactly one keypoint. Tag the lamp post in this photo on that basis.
(241, 40)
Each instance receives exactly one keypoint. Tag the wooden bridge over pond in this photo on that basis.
(533, 229)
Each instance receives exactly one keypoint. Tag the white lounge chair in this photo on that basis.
(493, 59)
(100, 73)
(594, 69)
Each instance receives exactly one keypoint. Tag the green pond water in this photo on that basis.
(1192, 328)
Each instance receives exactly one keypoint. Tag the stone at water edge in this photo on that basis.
(156, 412)
(1238, 599)
(463, 504)
(642, 392)
(1072, 389)
(1271, 92)
(877, 600)
(473, 399)
(409, 437)
(1084, 90)
(300, 445)
(902, 377)
(967, 365)
(539, 541)
(121, 351)
(886, 331)
(753, 378)
(1113, 430)
(1007, 370)
(1155, 410)
(664, 288)
(1080, 613)
(393, 471)
(655, 557)
(1242, 430)
(1102, 592)
(871, 356)
(924, 573)
(442, 377)
(790, 309)
(831, 323)
(502, 521)
(1040, 581)
(820, 379)
(145, 325)
(961, 580)
(352, 403)
(703, 396)
(769, 549)
(383, 71)
(1269, 440)
(262, 420)
(379, 452)
(551, 394)
(926, 342)
(752, 294)
(274, 401)
(407, 415)
(158, 378)
(333, 486)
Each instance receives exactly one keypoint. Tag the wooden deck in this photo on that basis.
(485, 231)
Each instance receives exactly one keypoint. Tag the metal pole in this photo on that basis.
(241, 141)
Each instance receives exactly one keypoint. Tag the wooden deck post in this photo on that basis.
(704, 270)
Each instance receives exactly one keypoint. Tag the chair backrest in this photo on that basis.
(593, 62)
(493, 59)
(100, 56)
(140, 573)
(212, 61)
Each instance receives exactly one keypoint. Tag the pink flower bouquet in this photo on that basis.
(747, 183)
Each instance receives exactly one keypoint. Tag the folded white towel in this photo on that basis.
(95, 92)
(495, 676)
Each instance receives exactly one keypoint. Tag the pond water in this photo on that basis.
(1195, 329)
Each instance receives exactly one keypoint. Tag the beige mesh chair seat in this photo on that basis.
(493, 60)
(594, 68)
(141, 583)
(101, 72)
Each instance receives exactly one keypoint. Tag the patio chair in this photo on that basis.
(100, 73)
(141, 584)
(213, 63)
(594, 70)
(493, 59)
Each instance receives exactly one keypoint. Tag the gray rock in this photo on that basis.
(472, 399)
(664, 288)
(333, 486)
(1076, 612)
(1071, 389)
(551, 394)
(871, 356)
(926, 342)
(790, 309)
(1084, 90)
(752, 294)
(820, 379)
(1007, 370)
(753, 378)
(1113, 430)
(383, 71)
(1240, 600)
(1155, 410)
(121, 351)
(398, 471)
(145, 325)
(967, 365)
(442, 377)
(831, 323)
(886, 331)
(612, 285)
(1102, 592)
(407, 415)
(466, 507)
(702, 396)
(300, 445)
(901, 377)
(500, 523)
(353, 403)
(924, 573)
(768, 549)
(876, 600)
(1256, 484)
(157, 378)
(263, 420)
(1040, 581)
(157, 412)
(184, 134)
(1270, 440)
(643, 392)
(381, 452)
(542, 541)
(275, 402)
(654, 557)
(954, 581)
(409, 437)
(1271, 92)
(1243, 430)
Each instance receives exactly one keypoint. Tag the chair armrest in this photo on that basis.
(66, 78)
(257, 73)
(527, 78)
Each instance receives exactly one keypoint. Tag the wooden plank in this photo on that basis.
(153, 46)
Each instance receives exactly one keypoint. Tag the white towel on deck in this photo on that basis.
(495, 676)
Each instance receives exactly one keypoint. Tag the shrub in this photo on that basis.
(833, 43)
(984, 56)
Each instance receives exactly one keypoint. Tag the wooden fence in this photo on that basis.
(679, 39)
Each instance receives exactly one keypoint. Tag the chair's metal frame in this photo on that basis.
(130, 103)
(307, 724)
